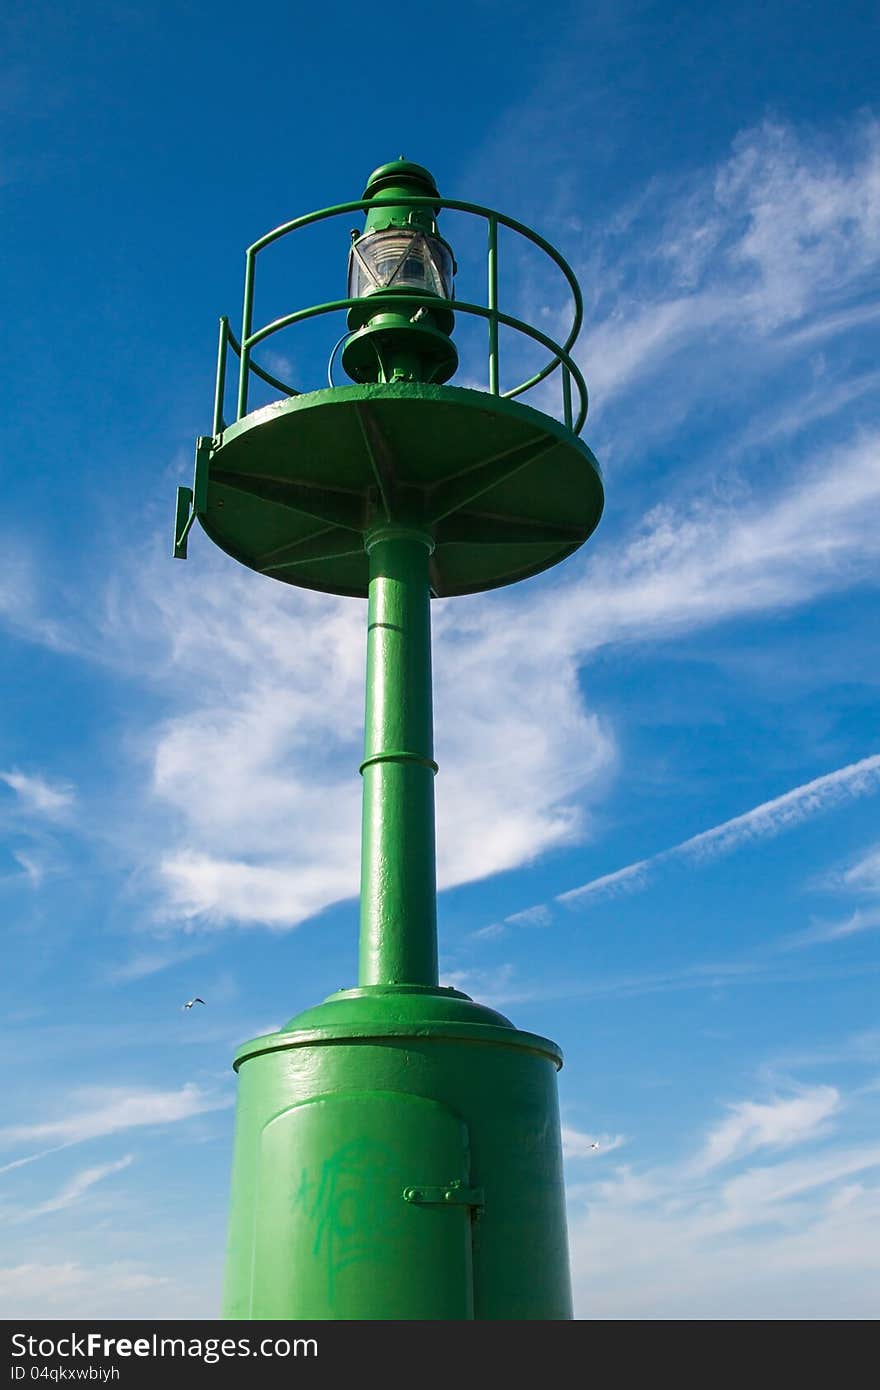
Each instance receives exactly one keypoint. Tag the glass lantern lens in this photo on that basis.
(400, 259)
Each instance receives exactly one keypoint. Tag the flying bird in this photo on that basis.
(189, 1003)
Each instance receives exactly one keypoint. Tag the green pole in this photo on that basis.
(398, 938)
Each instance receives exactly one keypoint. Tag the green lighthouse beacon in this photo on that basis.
(397, 1151)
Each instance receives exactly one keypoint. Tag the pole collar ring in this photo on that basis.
(399, 757)
(399, 533)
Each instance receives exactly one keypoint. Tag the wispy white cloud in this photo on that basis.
(39, 796)
(864, 875)
(33, 865)
(69, 1288)
(769, 818)
(861, 1048)
(145, 963)
(626, 880)
(539, 916)
(825, 398)
(758, 1194)
(493, 931)
(861, 878)
(216, 891)
(639, 339)
(22, 604)
(496, 987)
(278, 364)
(829, 325)
(772, 250)
(39, 803)
(809, 224)
(684, 571)
(77, 1187)
(731, 1227)
(99, 1111)
(857, 922)
(778, 1123)
(28, 1279)
(30, 1158)
(783, 812)
(721, 558)
(801, 1243)
(759, 970)
(269, 832)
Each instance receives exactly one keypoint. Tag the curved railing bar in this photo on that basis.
(228, 339)
(561, 354)
(455, 205)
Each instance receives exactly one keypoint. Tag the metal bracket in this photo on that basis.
(192, 502)
(450, 1194)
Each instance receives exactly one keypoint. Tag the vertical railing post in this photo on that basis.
(220, 386)
(247, 318)
(566, 395)
(492, 305)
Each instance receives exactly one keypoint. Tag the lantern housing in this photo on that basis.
(400, 258)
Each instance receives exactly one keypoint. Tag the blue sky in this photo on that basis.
(660, 764)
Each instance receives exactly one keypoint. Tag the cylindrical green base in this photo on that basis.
(398, 1156)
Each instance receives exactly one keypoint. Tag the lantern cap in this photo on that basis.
(401, 172)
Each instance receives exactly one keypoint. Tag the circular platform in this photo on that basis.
(505, 490)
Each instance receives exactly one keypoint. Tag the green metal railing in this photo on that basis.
(560, 353)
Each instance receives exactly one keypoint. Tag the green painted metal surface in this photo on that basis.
(397, 1150)
(352, 1210)
(398, 882)
(392, 338)
(504, 490)
(416, 1090)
